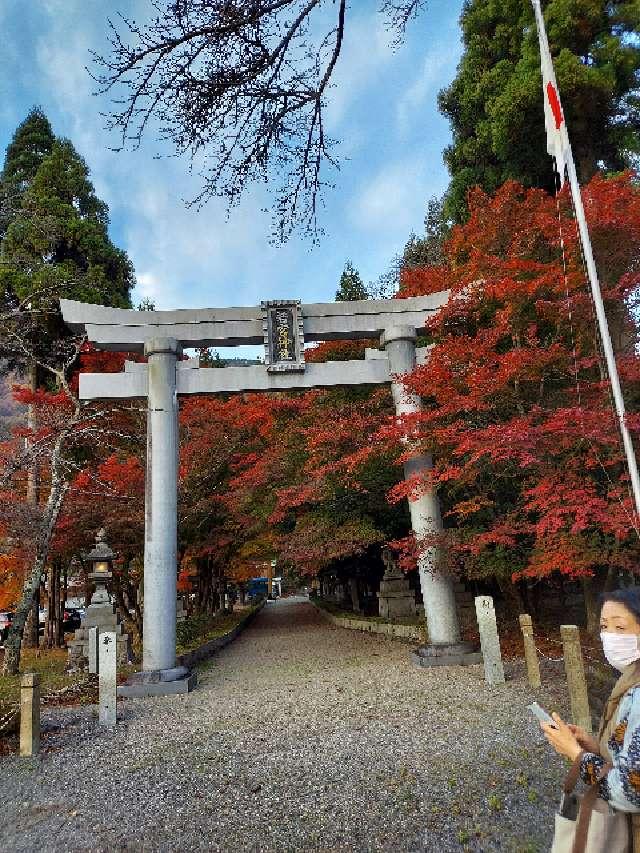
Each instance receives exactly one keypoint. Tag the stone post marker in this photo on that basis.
(107, 679)
(530, 652)
(489, 640)
(30, 714)
(576, 681)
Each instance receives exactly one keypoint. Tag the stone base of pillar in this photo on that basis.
(396, 599)
(181, 610)
(162, 682)
(445, 654)
(104, 617)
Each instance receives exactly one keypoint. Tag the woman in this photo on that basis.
(612, 761)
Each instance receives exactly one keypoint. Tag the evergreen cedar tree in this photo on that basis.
(350, 287)
(495, 102)
(31, 143)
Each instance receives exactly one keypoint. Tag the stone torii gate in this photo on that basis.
(282, 327)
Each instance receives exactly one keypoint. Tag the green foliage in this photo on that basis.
(54, 243)
(428, 251)
(32, 142)
(57, 244)
(51, 667)
(495, 103)
(211, 358)
(198, 630)
(351, 287)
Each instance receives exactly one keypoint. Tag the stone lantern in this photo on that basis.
(101, 614)
(396, 599)
(100, 559)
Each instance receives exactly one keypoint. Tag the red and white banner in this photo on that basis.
(557, 136)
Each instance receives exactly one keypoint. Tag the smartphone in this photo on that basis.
(541, 714)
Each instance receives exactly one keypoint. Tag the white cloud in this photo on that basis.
(365, 54)
(425, 85)
(182, 256)
(387, 202)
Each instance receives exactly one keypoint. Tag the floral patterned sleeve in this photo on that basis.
(621, 788)
(590, 769)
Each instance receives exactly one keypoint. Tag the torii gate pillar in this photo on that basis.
(161, 507)
(445, 647)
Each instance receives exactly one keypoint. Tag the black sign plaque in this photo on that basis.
(283, 336)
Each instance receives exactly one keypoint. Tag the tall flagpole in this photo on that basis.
(595, 287)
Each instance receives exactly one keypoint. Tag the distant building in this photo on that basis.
(242, 362)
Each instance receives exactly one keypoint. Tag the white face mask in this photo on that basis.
(620, 649)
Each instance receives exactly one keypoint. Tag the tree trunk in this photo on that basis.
(47, 640)
(201, 593)
(132, 600)
(62, 601)
(533, 599)
(32, 467)
(58, 605)
(587, 166)
(32, 625)
(215, 596)
(129, 623)
(511, 595)
(31, 634)
(611, 581)
(355, 594)
(562, 593)
(591, 608)
(31, 587)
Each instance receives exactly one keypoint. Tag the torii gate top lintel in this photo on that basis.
(281, 326)
(125, 330)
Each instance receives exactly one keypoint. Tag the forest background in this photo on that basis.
(517, 410)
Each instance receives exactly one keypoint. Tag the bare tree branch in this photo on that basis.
(239, 86)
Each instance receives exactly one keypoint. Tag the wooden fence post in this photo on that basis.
(30, 714)
(530, 651)
(576, 681)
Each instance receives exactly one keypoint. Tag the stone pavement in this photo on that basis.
(302, 736)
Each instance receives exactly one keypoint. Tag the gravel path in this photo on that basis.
(300, 737)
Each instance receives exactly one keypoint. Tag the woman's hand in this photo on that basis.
(561, 738)
(586, 741)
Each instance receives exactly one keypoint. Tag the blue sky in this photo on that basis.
(383, 109)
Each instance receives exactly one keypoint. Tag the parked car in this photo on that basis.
(42, 618)
(71, 619)
(257, 588)
(6, 617)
